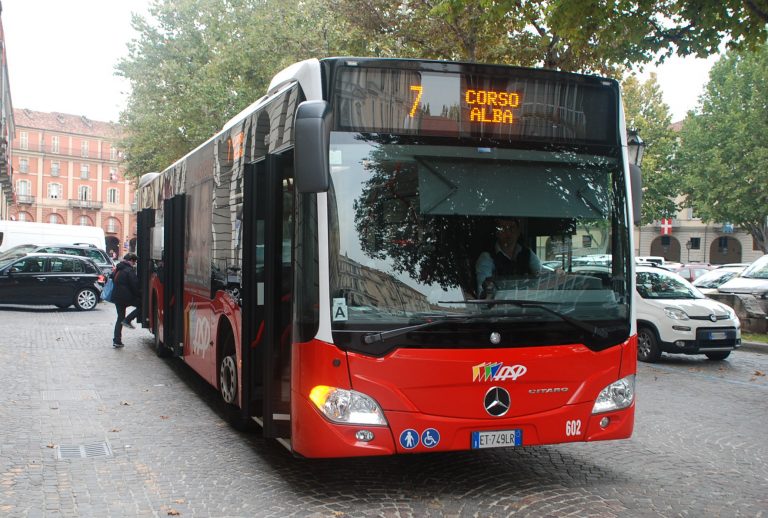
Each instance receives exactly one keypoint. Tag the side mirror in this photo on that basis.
(312, 134)
(636, 184)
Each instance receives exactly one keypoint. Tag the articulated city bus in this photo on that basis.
(380, 256)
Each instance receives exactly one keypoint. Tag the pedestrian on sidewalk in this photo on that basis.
(125, 294)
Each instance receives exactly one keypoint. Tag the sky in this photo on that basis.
(62, 56)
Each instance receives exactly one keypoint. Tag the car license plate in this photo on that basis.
(497, 439)
(718, 335)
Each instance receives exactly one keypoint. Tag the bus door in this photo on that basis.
(145, 221)
(268, 240)
(174, 210)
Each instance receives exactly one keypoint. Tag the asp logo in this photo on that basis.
(497, 371)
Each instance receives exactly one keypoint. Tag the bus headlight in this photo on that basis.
(347, 406)
(615, 396)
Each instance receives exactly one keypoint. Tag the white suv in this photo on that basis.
(675, 317)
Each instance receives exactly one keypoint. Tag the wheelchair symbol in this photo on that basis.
(430, 437)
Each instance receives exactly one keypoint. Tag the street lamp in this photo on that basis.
(635, 147)
(688, 245)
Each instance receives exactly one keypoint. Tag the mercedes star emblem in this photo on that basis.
(497, 401)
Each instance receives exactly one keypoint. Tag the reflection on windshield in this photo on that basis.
(416, 228)
(653, 285)
(758, 269)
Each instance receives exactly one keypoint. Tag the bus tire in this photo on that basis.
(717, 355)
(648, 349)
(228, 384)
(160, 350)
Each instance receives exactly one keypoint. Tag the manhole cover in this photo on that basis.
(83, 451)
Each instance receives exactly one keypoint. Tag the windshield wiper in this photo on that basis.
(594, 330)
(372, 338)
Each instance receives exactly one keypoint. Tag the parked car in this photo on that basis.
(713, 279)
(690, 271)
(753, 280)
(99, 256)
(50, 279)
(674, 317)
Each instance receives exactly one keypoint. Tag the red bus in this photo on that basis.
(385, 256)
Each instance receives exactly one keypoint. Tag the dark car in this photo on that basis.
(50, 279)
(98, 255)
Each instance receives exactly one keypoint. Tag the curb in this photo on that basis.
(755, 347)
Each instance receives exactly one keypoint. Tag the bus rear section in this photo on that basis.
(394, 256)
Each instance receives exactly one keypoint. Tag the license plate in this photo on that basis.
(718, 335)
(497, 439)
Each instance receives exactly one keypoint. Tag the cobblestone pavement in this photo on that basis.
(141, 436)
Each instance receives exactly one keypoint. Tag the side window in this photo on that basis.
(52, 250)
(79, 267)
(61, 265)
(97, 256)
(29, 265)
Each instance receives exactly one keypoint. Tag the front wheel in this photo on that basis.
(86, 299)
(647, 345)
(160, 349)
(717, 356)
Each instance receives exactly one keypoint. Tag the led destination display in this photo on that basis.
(517, 106)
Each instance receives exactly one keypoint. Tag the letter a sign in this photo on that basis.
(666, 226)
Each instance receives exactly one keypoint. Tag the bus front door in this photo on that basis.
(173, 278)
(267, 287)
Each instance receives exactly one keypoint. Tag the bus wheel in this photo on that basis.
(647, 345)
(228, 379)
(160, 350)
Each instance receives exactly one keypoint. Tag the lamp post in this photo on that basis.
(635, 147)
(688, 245)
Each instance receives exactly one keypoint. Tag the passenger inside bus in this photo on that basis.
(510, 256)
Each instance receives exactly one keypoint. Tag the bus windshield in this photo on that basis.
(421, 233)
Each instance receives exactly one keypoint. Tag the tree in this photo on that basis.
(646, 112)
(723, 156)
(586, 36)
(197, 63)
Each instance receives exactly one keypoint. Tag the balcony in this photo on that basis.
(85, 204)
(25, 199)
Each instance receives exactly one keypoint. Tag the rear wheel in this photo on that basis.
(86, 299)
(647, 345)
(717, 356)
(228, 384)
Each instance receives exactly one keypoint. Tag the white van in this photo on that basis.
(14, 233)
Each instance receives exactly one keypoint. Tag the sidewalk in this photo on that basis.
(755, 347)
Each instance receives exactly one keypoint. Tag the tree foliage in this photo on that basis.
(646, 112)
(587, 36)
(723, 156)
(197, 63)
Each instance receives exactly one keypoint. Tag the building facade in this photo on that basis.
(6, 131)
(67, 169)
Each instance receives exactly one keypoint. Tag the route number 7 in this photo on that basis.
(418, 89)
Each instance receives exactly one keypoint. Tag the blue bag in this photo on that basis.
(106, 293)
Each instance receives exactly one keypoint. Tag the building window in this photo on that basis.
(84, 171)
(586, 241)
(24, 140)
(113, 153)
(113, 196)
(113, 174)
(55, 168)
(22, 216)
(84, 148)
(23, 188)
(665, 240)
(85, 221)
(695, 243)
(55, 144)
(23, 165)
(54, 191)
(112, 225)
(83, 193)
(54, 218)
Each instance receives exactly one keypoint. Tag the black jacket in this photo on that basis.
(126, 291)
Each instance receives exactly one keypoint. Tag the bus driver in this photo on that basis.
(510, 257)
